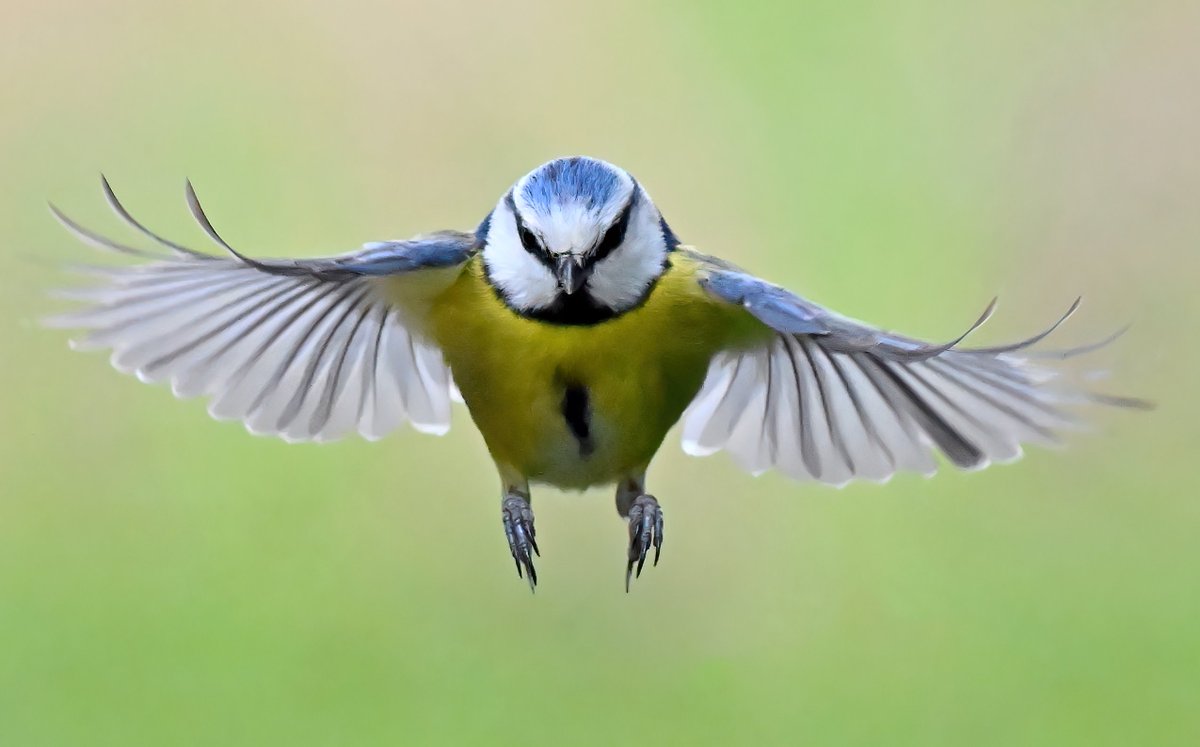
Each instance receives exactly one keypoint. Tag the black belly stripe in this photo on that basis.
(576, 411)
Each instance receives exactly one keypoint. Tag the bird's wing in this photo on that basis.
(832, 399)
(303, 349)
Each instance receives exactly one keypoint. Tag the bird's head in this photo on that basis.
(575, 241)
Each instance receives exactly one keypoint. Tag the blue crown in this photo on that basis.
(577, 179)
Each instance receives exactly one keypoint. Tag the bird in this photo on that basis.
(578, 330)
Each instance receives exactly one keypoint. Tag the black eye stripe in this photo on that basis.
(529, 240)
(615, 234)
(612, 238)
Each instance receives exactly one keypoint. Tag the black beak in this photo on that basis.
(571, 274)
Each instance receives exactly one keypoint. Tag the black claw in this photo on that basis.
(518, 529)
(658, 537)
(645, 530)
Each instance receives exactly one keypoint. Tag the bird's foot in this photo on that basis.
(518, 528)
(645, 530)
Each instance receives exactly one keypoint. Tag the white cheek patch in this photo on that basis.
(620, 280)
(523, 280)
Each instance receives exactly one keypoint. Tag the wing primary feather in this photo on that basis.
(193, 203)
(704, 407)
(722, 416)
(856, 400)
(1038, 401)
(331, 392)
(808, 441)
(413, 386)
(740, 424)
(976, 382)
(911, 398)
(790, 456)
(247, 332)
(371, 373)
(256, 312)
(348, 304)
(1113, 400)
(390, 407)
(823, 392)
(97, 241)
(1010, 377)
(262, 314)
(1079, 350)
(1029, 341)
(926, 352)
(1011, 369)
(111, 317)
(110, 297)
(317, 363)
(238, 377)
(902, 411)
(281, 371)
(909, 443)
(992, 444)
(318, 368)
(111, 198)
(222, 323)
(118, 274)
(767, 433)
(129, 276)
(435, 381)
(973, 388)
(173, 292)
(960, 450)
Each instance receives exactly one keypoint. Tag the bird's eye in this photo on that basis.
(528, 240)
(614, 235)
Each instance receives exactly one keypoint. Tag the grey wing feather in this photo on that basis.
(833, 399)
(303, 349)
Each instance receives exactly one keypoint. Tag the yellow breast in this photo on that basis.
(526, 381)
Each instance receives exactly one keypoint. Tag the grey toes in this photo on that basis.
(518, 528)
(645, 531)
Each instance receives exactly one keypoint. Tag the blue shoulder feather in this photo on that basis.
(392, 257)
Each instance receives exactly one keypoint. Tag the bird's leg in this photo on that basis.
(645, 519)
(517, 516)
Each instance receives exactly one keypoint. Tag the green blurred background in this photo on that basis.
(165, 579)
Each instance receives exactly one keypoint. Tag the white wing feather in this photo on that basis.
(831, 399)
(305, 350)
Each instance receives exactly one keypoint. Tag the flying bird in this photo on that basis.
(577, 329)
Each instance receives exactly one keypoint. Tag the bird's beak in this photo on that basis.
(571, 274)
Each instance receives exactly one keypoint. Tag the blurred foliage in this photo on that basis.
(165, 579)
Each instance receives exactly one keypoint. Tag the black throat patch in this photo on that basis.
(576, 410)
(577, 309)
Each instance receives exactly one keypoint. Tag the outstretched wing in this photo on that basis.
(304, 349)
(831, 399)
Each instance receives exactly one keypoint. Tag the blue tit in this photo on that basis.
(578, 330)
